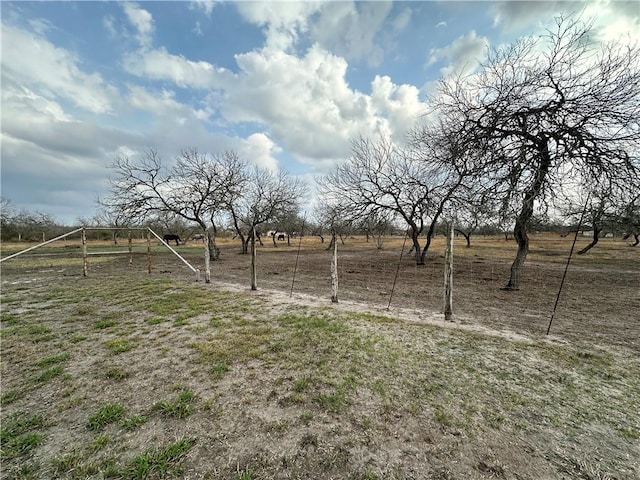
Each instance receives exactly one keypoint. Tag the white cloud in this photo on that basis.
(142, 21)
(460, 56)
(205, 5)
(260, 149)
(615, 21)
(32, 61)
(399, 104)
(158, 64)
(282, 20)
(348, 29)
(165, 109)
(513, 16)
(309, 107)
(109, 24)
(305, 103)
(402, 20)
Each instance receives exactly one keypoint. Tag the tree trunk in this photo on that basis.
(245, 243)
(467, 236)
(416, 248)
(333, 240)
(214, 251)
(520, 229)
(520, 234)
(430, 234)
(594, 240)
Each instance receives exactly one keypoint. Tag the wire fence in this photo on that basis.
(600, 301)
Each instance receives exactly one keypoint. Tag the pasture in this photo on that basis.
(129, 375)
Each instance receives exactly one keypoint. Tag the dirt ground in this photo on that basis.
(279, 390)
(599, 302)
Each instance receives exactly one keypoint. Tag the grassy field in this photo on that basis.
(126, 375)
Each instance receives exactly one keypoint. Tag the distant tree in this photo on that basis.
(330, 219)
(115, 219)
(25, 225)
(7, 213)
(376, 225)
(292, 224)
(549, 115)
(264, 197)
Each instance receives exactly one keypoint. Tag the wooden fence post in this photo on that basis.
(149, 251)
(254, 275)
(207, 259)
(448, 276)
(84, 253)
(334, 269)
(130, 248)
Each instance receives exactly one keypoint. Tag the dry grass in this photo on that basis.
(126, 375)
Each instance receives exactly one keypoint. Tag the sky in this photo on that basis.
(287, 85)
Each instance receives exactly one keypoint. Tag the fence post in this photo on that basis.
(130, 248)
(84, 253)
(448, 275)
(334, 269)
(207, 259)
(149, 251)
(254, 275)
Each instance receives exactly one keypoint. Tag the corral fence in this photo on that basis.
(129, 251)
(600, 300)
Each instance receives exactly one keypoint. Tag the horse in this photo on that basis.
(170, 236)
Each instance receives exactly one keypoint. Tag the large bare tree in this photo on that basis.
(381, 179)
(546, 115)
(197, 188)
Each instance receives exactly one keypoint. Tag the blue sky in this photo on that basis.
(287, 85)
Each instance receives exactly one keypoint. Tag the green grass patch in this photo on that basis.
(132, 422)
(180, 407)
(98, 443)
(119, 345)
(108, 413)
(159, 462)
(218, 370)
(18, 436)
(102, 324)
(53, 359)
(11, 396)
(629, 432)
(49, 374)
(10, 318)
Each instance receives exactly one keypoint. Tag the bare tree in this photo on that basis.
(265, 197)
(376, 225)
(196, 189)
(331, 219)
(629, 220)
(384, 180)
(113, 218)
(547, 115)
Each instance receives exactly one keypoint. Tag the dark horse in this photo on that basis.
(170, 236)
